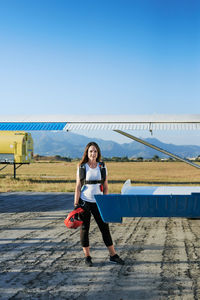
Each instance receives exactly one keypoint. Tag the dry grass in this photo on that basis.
(60, 176)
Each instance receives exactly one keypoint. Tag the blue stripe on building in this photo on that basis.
(28, 126)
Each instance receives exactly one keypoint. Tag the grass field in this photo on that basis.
(61, 176)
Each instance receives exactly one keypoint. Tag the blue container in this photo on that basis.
(114, 207)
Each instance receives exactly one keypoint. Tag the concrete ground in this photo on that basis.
(40, 258)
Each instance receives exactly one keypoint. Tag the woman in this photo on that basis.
(84, 196)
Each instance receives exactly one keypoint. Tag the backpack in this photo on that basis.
(82, 174)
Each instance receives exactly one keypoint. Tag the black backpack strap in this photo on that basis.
(82, 173)
(92, 181)
(103, 171)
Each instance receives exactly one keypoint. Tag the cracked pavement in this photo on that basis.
(40, 258)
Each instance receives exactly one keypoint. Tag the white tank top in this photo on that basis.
(89, 190)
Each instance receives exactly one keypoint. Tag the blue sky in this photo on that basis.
(85, 57)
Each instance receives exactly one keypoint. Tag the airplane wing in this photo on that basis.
(114, 207)
(103, 122)
(117, 123)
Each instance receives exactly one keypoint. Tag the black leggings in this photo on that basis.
(85, 217)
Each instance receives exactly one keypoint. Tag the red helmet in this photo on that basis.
(72, 220)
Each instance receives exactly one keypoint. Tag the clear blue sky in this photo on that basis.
(78, 57)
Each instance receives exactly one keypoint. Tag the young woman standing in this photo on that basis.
(84, 196)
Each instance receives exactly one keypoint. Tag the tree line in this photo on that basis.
(155, 158)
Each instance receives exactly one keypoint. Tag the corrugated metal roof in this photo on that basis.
(28, 126)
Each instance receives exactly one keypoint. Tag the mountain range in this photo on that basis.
(72, 145)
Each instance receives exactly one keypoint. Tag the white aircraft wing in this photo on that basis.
(117, 123)
(96, 122)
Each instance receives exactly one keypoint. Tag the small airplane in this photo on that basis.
(166, 204)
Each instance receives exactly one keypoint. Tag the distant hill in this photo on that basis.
(72, 145)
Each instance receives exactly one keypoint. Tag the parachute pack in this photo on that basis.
(82, 174)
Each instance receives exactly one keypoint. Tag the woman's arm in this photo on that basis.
(77, 191)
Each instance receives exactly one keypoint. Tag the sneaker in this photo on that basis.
(116, 259)
(88, 261)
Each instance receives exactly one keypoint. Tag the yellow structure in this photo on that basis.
(16, 147)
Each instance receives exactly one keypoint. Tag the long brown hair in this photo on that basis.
(84, 159)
